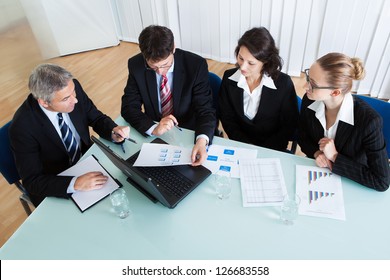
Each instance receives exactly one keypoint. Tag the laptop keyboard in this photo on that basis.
(172, 182)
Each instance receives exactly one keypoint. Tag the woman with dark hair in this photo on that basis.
(257, 102)
(338, 129)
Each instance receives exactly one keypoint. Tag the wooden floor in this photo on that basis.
(102, 73)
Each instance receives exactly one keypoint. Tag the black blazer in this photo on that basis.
(38, 149)
(362, 149)
(192, 96)
(276, 119)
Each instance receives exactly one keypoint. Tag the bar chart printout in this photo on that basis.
(262, 182)
(320, 191)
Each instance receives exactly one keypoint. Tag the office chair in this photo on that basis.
(8, 168)
(383, 109)
(294, 139)
(215, 83)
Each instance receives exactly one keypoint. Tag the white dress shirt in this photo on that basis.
(54, 120)
(251, 100)
(345, 114)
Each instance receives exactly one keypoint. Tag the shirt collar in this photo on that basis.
(241, 81)
(345, 113)
(48, 113)
(169, 73)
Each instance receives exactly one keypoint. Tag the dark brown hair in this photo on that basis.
(261, 45)
(156, 42)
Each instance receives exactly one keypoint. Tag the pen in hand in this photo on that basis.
(128, 139)
(123, 148)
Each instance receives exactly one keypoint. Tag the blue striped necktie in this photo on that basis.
(70, 142)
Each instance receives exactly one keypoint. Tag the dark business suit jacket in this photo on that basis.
(276, 119)
(39, 151)
(192, 96)
(362, 149)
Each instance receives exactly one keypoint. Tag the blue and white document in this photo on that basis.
(227, 159)
(153, 154)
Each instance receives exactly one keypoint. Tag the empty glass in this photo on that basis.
(222, 184)
(289, 209)
(120, 203)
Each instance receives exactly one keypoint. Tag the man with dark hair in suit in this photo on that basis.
(172, 85)
(50, 131)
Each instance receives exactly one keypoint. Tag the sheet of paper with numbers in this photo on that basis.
(262, 182)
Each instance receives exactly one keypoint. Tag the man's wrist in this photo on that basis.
(203, 137)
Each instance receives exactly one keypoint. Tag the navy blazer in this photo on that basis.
(192, 96)
(39, 151)
(276, 119)
(362, 149)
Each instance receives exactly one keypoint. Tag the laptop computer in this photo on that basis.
(166, 184)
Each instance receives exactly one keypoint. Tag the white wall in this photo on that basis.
(10, 13)
(64, 27)
(303, 29)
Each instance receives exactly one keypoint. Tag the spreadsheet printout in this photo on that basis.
(262, 182)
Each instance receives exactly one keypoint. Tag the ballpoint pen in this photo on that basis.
(128, 139)
(178, 127)
(123, 148)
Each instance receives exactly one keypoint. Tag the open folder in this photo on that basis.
(86, 199)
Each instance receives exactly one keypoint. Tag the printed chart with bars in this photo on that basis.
(320, 191)
(313, 176)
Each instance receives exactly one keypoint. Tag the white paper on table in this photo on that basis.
(85, 199)
(320, 191)
(262, 182)
(153, 154)
(227, 158)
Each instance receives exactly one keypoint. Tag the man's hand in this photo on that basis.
(165, 124)
(90, 181)
(119, 133)
(199, 153)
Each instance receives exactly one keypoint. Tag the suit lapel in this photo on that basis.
(151, 85)
(316, 126)
(237, 97)
(47, 127)
(178, 78)
(265, 95)
(344, 130)
(78, 125)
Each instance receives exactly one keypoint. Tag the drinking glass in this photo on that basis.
(222, 184)
(289, 209)
(120, 203)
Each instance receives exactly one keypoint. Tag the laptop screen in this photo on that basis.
(136, 177)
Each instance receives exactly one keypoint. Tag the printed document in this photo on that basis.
(227, 158)
(262, 182)
(320, 191)
(86, 199)
(153, 154)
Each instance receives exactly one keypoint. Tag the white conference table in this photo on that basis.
(201, 226)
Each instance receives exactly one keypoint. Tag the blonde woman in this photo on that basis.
(339, 130)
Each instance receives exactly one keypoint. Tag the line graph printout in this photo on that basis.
(320, 191)
(262, 182)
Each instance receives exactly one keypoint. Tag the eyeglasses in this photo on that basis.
(165, 66)
(311, 86)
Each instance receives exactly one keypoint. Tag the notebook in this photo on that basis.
(167, 184)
